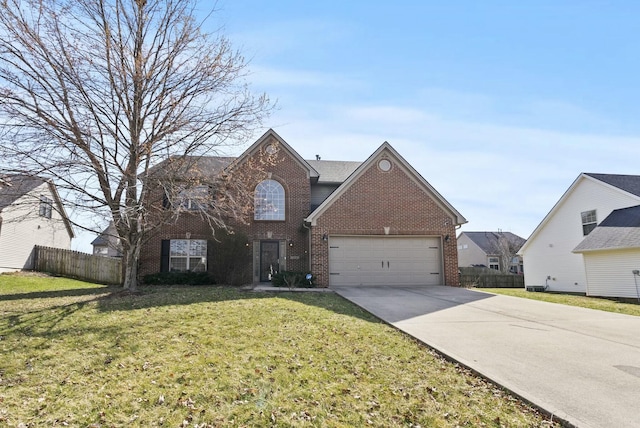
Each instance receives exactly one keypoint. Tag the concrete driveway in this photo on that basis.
(581, 365)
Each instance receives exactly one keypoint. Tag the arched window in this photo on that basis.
(269, 201)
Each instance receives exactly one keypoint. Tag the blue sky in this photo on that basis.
(498, 104)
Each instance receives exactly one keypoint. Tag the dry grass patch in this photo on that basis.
(218, 357)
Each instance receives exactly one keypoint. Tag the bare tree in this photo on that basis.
(505, 247)
(94, 93)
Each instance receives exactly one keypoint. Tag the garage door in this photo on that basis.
(384, 261)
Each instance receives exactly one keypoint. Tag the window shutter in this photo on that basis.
(164, 255)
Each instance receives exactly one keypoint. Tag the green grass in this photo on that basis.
(220, 357)
(571, 300)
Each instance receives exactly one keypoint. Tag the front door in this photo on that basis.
(269, 259)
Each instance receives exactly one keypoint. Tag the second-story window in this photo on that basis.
(589, 221)
(46, 207)
(194, 198)
(269, 201)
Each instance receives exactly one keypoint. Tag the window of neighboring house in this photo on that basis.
(494, 263)
(589, 221)
(269, 202)
(194, 198)
(101, 250)
(515, 265)
(188, 255)
(46, 207)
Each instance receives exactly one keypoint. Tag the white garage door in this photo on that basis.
(384, 261)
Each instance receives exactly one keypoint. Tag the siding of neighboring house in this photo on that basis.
(107, 244)
(469, 253)
(22, 228)
(610, 273)
(492, 249)
(548, 252)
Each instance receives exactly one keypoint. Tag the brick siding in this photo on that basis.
(379, 199)
(284, 169)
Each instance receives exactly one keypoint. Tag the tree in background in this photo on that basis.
(94, 93)
(506, 247)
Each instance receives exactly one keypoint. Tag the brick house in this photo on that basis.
(348, 223)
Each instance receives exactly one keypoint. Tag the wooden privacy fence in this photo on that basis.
(73, 264)
(483, 277)
(492, 281)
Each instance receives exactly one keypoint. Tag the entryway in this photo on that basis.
(269, 259)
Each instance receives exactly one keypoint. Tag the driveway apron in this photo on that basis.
(581, 365)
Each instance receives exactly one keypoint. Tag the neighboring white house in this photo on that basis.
(612, 255)
(548, 254)
(107, 244)
(494, 250)
(31, 213)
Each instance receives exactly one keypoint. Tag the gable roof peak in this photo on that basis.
(270, 133)
(457, 218)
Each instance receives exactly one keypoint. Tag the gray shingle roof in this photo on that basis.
(208, 165)
(106, 236)
(628, 183)
(487, 241)
(333, 171)
(13, 187)
(621, 229)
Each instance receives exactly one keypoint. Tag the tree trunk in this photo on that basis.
(131, 269)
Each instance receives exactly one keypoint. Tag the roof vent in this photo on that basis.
(317, 157)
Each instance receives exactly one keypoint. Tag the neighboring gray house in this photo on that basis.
(611, 254)
(31, 213)
(107, 244)
(495, 250)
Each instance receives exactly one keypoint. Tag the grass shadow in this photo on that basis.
(75, 292)
(158, 296)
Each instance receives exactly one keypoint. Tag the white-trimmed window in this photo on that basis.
(46, 207)
(494, 263)
(194, 198)
(188, 255)
(589, 221)
(269, 201)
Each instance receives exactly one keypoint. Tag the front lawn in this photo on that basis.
(217, 357)
(567, 299)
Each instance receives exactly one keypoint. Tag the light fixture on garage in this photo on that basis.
(446, 238)
(325, 237)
